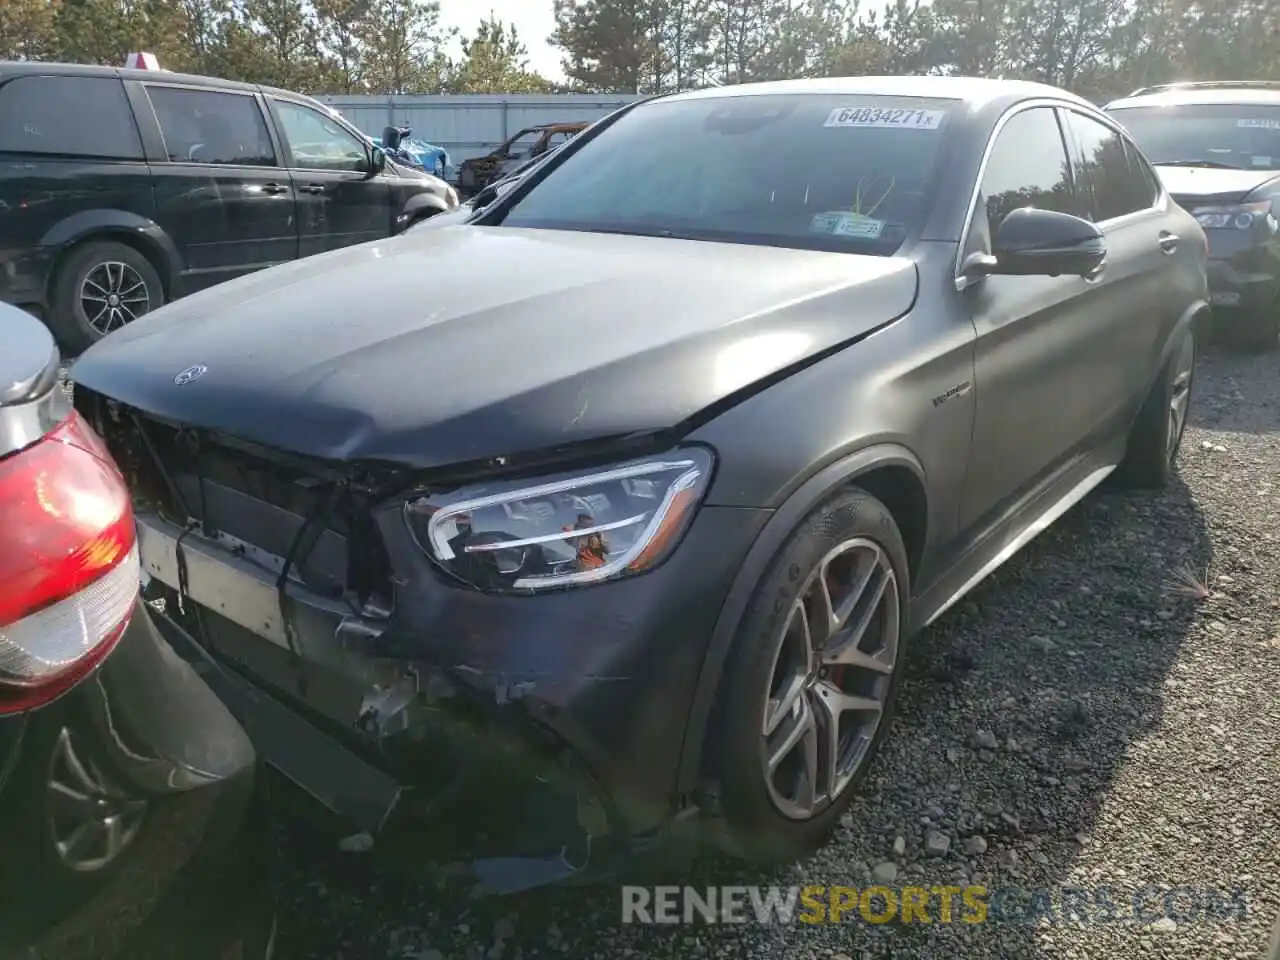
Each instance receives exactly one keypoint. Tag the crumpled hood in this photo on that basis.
(446, 346)
(1209, 184)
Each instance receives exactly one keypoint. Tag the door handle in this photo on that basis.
(311, 188)
(274, 189)
(1168, 242)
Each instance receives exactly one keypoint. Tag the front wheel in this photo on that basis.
(812, 678)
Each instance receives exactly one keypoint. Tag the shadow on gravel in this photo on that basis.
(1017, 711)
(1227, 409)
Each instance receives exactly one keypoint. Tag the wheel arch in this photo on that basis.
(889, 472)
(118, 226)
(420, 206)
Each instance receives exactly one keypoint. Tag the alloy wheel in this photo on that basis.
(1180, 395)
(91, 820)
(113, 294)
(831, 679)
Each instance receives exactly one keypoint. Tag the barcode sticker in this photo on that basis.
(908, 119)
(840, 224)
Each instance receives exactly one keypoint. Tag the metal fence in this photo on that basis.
(470, 126)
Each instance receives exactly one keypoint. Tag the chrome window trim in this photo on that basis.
(1160, 205)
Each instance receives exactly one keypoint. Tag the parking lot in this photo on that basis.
(1137, 743)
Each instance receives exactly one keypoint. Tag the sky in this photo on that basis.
(533, 20)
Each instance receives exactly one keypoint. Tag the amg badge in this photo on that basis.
(958, 390)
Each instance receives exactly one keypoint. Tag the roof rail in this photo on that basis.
(1209, 85)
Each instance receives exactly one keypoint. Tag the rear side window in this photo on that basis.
(1027, 168)
(1110, 184)
(68, 116)
(1142, 168)
(207, 126)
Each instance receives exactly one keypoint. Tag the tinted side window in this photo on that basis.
(73, 116)
(1142, 170)
(1109, 185)
(203, 126)
(1027, 168)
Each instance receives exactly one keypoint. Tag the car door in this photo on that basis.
(1139, 291)
(340, 202)
(1040, 340)
(220, 190)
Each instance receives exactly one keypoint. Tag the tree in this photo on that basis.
(607, 42)
(339, 27)
(1099, 48)
(402, 47)
(28, 29)
(93, 31)
(495, 61)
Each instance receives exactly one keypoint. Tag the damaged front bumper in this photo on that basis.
(524, 741)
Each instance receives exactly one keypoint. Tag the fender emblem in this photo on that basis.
(958, 390)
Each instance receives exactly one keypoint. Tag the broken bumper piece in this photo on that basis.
(515, 773)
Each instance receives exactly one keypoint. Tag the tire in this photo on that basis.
(45, 903)
(854, 533)
(1155, 437)
(92, 269)
(426, 214)
(52, 752)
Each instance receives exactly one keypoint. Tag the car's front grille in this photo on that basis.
(193, 478)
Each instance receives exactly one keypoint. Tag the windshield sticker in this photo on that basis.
(1264, 162)
(1258, 124)
(885, 117)
(839, 224)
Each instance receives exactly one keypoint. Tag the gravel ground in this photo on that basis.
(1080, 721)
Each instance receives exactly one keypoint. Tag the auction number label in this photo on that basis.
(885, 117)
(840, 224)
(1259, 124)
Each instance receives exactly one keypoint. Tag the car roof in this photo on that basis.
(1196, 96)
(31, 68)
(975, 91)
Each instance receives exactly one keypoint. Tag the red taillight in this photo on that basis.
(68, 564)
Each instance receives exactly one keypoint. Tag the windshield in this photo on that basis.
(1244, 136)
(846, 173)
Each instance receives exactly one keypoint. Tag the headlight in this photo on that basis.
(565, 531)
(1238, 216)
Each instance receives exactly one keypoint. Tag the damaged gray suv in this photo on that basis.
(616, 506)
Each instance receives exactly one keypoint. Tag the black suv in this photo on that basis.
(121, 189)
(1216, 146)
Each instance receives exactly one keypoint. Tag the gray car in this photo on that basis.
(621, 510)
(1216, 145)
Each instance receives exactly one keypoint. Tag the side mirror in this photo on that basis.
(1045, 243)
(377, 162)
